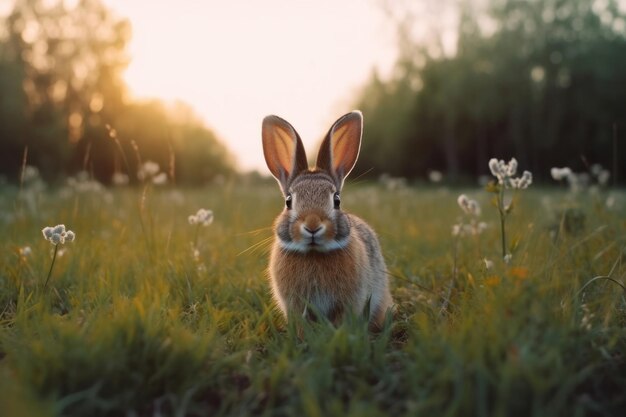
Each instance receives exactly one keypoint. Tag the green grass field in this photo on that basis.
(133, 323)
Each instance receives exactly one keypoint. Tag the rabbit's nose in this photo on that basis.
(313, 231)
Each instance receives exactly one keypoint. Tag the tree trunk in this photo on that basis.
(450, 148)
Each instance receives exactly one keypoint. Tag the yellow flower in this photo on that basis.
(518, 272)
(492, 281)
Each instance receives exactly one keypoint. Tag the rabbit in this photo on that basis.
(323, 260)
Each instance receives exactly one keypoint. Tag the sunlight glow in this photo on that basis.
(236, 62)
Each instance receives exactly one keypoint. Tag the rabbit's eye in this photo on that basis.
(288, 201)
(337, 200)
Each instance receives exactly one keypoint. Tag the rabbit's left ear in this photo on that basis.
(340, 149)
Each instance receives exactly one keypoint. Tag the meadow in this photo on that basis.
(135, 322)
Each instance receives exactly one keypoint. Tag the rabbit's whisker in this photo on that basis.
(254, 232)
(257, 245)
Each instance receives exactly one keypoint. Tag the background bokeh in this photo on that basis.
(541, 80)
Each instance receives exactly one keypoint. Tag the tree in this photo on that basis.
(61, 85)
(541, 80)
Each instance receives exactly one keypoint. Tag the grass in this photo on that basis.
(132, 323)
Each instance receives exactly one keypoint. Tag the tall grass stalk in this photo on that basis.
(502, 210)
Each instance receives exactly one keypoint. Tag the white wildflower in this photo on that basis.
(584, 179)
(30, 173)
(494, 166)
(148, 170)
(474, 208)
(160, 178)
(58, 234)
(435, 176)
(596, 169)
(610, 201)
(120, 179)
(522, 182)
(202, 216)
(25, 251)
(508, 258)
(392, 183)
(585, 322)
(488, 264)
(511, 167)
(462, 200)
(47, 232)
(468, 205)
(504, 172)
(560, 173)
(70, 236)
(468, 229)
(82, 183)
(603, 177)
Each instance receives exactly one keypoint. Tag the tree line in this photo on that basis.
(64, 105)
(540, 80)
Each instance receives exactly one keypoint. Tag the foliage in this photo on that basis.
(61, 85)
(130, 328)
(540, 80)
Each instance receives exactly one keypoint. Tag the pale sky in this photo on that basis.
(237, 61)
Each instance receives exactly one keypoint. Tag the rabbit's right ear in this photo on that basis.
(283, 150)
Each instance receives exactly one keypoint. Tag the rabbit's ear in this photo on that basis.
(283, 150)
(340, 149)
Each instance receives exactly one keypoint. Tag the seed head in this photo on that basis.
(511, 167)
(120, 179)
(488, 263)
(47, 232)
(58, 234)
(202, 216)
(522, 182)
(70, 236)
(468, 205)
(504, 172)
(148, 170)
(560, 173)
(160, 179)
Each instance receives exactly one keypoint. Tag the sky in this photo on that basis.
(237, 61)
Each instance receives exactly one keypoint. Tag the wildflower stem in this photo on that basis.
(54, 257)
(144, 231)
(502, 211)
(195, 237)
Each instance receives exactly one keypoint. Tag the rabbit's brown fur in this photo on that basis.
(323, 261)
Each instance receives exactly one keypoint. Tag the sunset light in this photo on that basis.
(312, 208)
(236, 62)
